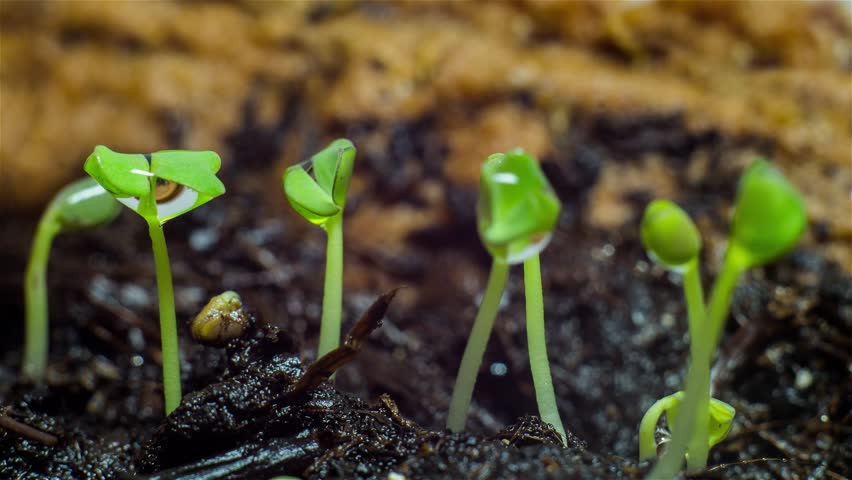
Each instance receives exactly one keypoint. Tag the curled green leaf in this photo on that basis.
(195, 170)
(517, 208)
(720, 418)
(769, 216)
(648, 426)
(84, 204)
(669, 235)
(317, 188)
(122, 174)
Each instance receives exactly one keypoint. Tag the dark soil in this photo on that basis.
(616, 335)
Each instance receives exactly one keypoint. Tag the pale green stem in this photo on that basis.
(698, 378)
(694, 294)
(736, 263)
(697, 386)
(168, 323)
(695, 310)
(476, 344)
(332, 300)
(36, 345)
(537, 346)
(697, 446)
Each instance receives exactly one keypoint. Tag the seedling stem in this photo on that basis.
(168, 322)
(476, 343)
(36, 342)
(537, 346)
(333, 292)
(79, 205)
(699, 366)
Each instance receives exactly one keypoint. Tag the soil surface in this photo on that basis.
(616, 323)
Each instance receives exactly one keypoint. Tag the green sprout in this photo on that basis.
(721, 417)
(769, 218)
(517, 213)
(160, 186)
(317, 190)
(80, 205)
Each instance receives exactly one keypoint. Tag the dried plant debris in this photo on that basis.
(322, 369)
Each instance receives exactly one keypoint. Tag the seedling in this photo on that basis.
(317, 190)
(80, 205)
(160, 186)
(721, 416)
(769, 219)
(517, 212)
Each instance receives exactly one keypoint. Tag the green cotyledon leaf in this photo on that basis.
(306, 196)
(668, 234)
(720, 417)
(162, 185)
(317, 188)
(122, 174)
(196, 170)
(333, 169)
(769, 215)
(84, 204)
(517, 207)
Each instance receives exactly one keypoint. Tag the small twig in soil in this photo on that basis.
(723, 466)
(30, 433)
(324, 367)
(393, 408)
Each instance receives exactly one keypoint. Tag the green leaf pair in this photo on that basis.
(517, 208)
(317, 188)
(179, 180)
(769, 219)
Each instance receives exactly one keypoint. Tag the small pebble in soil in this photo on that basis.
(203, 239)
(136, 339)
(804, 379)
(189, 297)
(134, 296)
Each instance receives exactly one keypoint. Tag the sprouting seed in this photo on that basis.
(221, 320)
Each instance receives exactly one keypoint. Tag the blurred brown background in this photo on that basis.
(238, 77)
